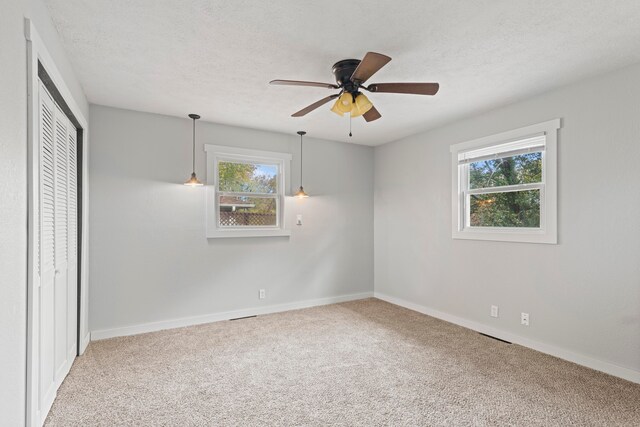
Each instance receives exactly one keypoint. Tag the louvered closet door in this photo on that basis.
(72, 247)
(58, 211)
(46, 303)
(61, 241)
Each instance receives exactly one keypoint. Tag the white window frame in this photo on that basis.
(217, 153)
(547, 232)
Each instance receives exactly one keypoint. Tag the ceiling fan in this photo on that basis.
(350, 75)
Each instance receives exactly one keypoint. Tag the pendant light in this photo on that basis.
(301, 194)
(193, 181)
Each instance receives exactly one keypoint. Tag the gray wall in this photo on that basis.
(150, 260)
(583, 295)
(13, 192)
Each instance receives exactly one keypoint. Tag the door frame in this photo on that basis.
(37, 53)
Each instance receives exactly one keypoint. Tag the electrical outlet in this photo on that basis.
(299, 219)
(263, 294)
(524, 319)
(494, 311)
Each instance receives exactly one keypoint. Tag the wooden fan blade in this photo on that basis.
(372, 115)
(413, 88)
(313, 106)
(369, 65)
(301, 83)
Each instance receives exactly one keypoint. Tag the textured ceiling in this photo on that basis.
(216, 58)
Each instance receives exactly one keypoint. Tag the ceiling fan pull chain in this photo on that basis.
(350, 125)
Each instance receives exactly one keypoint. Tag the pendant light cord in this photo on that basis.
(300, 160)
(194, 147)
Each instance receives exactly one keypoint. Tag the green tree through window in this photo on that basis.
(246, 210)
(506, 209)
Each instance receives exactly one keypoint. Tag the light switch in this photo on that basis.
(299, 219)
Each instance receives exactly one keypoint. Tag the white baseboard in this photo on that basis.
(216, 317)
(598, 365)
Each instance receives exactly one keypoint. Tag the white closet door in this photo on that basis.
(61, 242)
(47, 264)
(57, 249)
(72, 230)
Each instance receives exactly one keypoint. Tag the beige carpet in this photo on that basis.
(362, 363)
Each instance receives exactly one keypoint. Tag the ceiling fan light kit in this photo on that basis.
(350, 76)
(354, 104)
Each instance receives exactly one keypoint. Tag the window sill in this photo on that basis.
(222, 234)
(508, 235)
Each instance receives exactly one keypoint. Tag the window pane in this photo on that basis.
(247, 211)
(512, 209)
(520, 169)
(247, 177)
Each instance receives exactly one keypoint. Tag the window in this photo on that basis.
(246, 189)
(504, 186)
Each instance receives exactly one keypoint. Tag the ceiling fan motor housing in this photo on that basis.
(343, 70)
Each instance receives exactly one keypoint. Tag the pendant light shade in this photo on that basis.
(193, 181)
(301, 194)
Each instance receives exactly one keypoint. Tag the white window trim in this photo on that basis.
(214, 153)
(548, 232)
